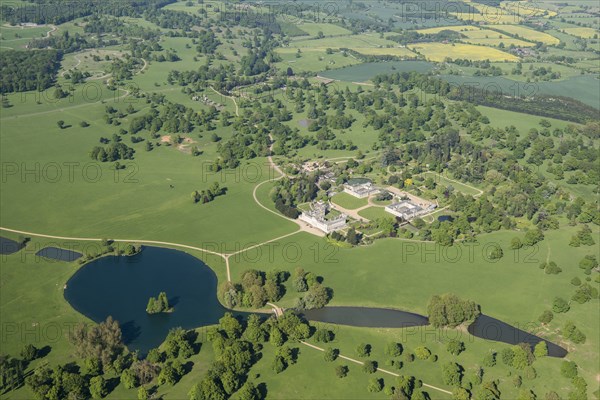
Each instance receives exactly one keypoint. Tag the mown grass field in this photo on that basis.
(440, 51)
(348, 201)
(374, 213)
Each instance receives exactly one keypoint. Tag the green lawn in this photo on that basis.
(348, 201)
(373, 213)
(445, 181)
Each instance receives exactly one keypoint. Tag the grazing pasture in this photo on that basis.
(349, 41)
(386, 51)
(366, 71)
(313, 29)
(313, 59)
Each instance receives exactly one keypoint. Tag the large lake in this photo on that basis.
(121, 287)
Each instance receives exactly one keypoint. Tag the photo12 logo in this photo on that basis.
(249, 172)
(54, 172)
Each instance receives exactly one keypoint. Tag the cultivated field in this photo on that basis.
(440, 52)
(586, 33)
(527, 34)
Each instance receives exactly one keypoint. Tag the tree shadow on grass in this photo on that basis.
(262, 388)
(112, 383)
(44, 351)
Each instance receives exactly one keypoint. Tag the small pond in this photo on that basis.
(492, 329)
(366, 317)
(9, 246)
(56, 253)
(121, 286)
(484, 327)
(443, 218)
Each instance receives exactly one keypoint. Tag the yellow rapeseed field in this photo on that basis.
(440, 51)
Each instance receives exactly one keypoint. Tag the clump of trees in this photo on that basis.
(449, 310)
(352, 236)
(102, 342)
(583, 237)
(255, 289)
(455, 347)
(551, 268)
(571, 332)
(588, 263)
(158, 304)
(560, 305)
(288, 193)
(316, 295)
(208, 195)
(112, 152)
